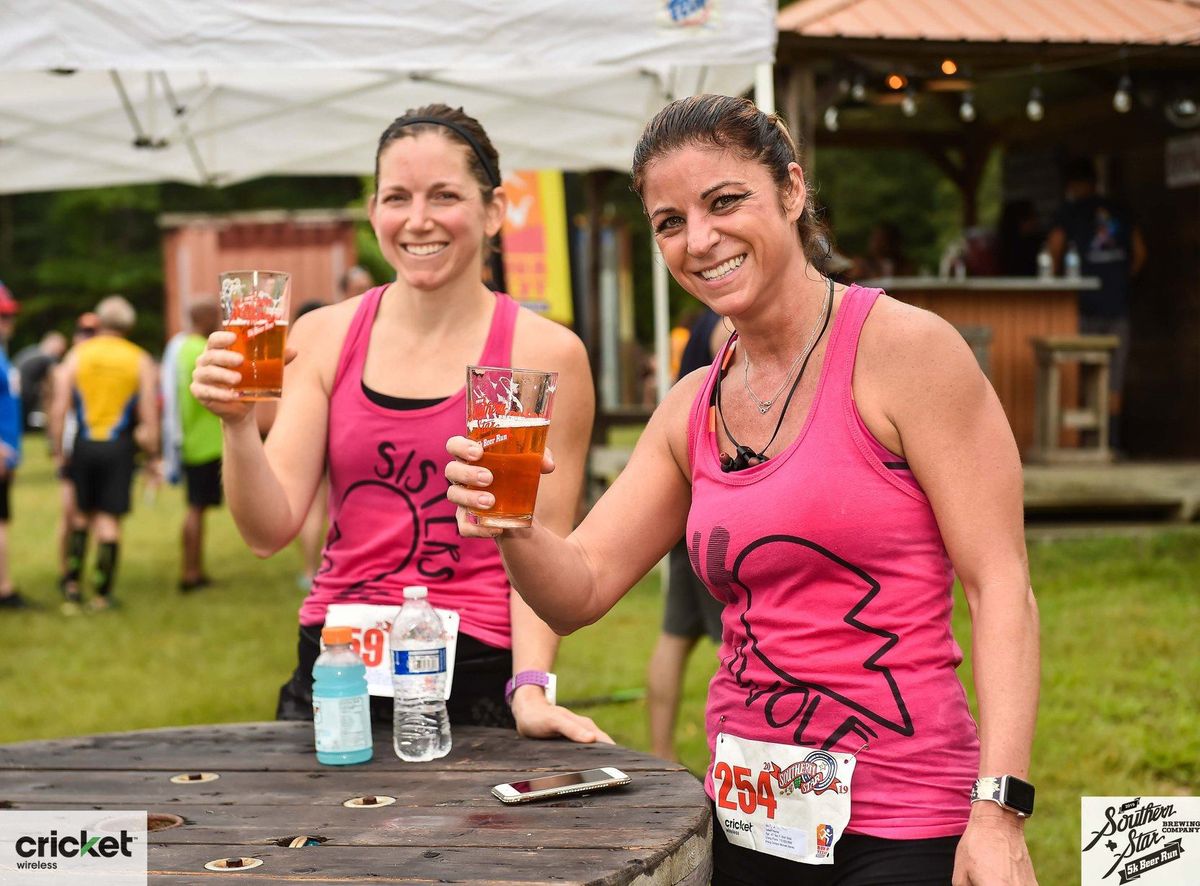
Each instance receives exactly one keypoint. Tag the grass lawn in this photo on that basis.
(1120, 710)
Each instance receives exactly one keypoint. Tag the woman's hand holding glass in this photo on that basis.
(216, 374)
(469, 484)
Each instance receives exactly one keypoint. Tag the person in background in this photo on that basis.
(375, 382)
(10, 443)
(831, 519)
(355, 281)
(70, 519)
(1021, 237)
(885, 255)
(113, 385)
(690, 612)
(1110, 247)
(681, 336)
(200, 450)
(830, 260)
(311, 539)
(168, 397)
(34, 365)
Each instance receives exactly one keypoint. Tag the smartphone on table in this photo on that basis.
(559, 784)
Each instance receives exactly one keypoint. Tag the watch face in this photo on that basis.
(1018, 795)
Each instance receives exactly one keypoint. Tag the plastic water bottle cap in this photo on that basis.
(417, 592)
(339, 636)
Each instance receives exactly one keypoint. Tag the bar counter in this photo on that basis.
(1015, 310)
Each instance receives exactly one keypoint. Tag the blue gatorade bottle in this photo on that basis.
(341, 706)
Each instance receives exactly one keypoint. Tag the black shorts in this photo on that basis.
(203, 484)
(476, 699)
(5, 506)
(690, 610)
(102, 473)
(859, 861)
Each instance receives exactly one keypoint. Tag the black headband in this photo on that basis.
(492, 174)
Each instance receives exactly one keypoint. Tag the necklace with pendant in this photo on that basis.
(765, 405)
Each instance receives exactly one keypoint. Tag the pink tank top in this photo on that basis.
(836, 628)
(390, 524)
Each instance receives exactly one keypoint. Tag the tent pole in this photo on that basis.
(662, 321)
(764, 87)
(595, 181)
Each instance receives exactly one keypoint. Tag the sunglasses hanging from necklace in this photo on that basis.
(745, 457)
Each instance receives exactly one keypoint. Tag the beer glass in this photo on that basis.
(254, 307)
(508, 414)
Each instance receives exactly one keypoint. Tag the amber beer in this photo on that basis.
(512, 451)
(262, 371)
(254, 307)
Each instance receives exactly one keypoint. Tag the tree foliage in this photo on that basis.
(61, 252)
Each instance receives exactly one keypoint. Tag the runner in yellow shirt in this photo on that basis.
(110, 386)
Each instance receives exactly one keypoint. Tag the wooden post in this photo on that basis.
(800, 111)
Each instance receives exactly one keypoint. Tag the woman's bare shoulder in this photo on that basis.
(911, 361)
(317, 336)
(540, 338)
(899, 333)
(323, 325)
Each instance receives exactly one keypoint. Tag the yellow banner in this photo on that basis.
(537, 269)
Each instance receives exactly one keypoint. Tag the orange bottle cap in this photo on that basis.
(337, 636)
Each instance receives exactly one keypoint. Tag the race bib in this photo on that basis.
(369, 638)
(784, 800)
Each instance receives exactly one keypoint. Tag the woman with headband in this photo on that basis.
(833, 469)
(374, 390)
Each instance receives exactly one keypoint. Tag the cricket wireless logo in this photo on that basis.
(70, 846)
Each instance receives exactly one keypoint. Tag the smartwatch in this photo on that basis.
(531, 678)
(1007, 792)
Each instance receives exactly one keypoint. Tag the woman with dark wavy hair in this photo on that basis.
(832, 470)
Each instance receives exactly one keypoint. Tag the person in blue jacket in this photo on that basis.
(10, 442)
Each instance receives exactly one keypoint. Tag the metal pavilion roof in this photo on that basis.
(1111, 22)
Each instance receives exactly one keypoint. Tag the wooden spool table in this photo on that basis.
(444, 827)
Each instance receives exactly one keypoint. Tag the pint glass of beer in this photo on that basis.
(508, 414)
(254, 307)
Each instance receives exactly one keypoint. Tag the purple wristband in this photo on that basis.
(531, 678)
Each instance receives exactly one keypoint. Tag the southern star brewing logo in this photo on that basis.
(815, 774)
(1139, 839)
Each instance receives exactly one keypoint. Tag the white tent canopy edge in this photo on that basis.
(99, 92)
(104, 92)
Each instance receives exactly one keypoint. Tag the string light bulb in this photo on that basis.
(897, 81)
(1034, 109)
(908, 104)
(966, 110)
(949, 68)
(858, 91)
(831, 118)
(1123, 97)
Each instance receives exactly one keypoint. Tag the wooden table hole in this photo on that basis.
(162, 821)
(233, 864)
(300, 841)
(369, 801)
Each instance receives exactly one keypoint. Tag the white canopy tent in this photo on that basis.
(105, 92)
(101, 92)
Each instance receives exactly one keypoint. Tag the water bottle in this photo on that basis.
(341, 706)
(1071, 264)
(421, 726)
(1045, 265)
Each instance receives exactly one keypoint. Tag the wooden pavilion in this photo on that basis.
(1042, 81)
